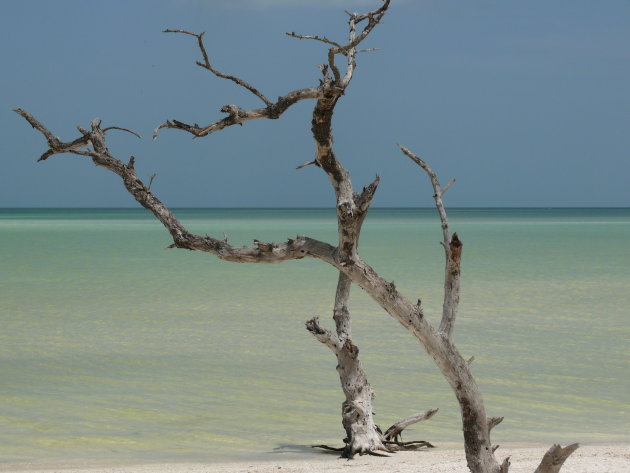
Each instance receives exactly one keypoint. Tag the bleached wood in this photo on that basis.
(395, 430)
(555, 457)
(294, 248)
(452, 250)
(362, 434)
(238, 116)
(323, 39)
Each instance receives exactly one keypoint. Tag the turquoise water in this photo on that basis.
(115, 349)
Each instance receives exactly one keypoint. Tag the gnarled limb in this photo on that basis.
(297, 248)
(238, 116)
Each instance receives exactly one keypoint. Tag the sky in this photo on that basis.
(526, 104)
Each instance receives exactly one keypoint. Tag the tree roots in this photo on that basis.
(391, 440)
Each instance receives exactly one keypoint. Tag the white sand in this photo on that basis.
(587, 459)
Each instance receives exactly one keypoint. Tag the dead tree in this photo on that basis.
(351, 210)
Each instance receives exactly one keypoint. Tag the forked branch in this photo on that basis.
(297, 248)
(348, 49)
(374, 17)
(236, 114)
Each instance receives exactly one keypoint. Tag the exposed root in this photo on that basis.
(412, 445)
(375, 454)
(331, 449)
(391, 440)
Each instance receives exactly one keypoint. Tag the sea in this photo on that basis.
(116, 349)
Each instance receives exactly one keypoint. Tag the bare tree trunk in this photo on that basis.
(362, 434)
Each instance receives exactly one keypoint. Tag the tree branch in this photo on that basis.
(306, 164)
(493, 422)
(55, 144)
(206, 65)
(121, 129)
(364, 199)
(374, 17)
(238, 116)
(323, 335)
(452, 249)
(352, 52)
(297, 248)
(437, 191)
(323, 39)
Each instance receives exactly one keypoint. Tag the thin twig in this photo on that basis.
(306, 164)
(122, 129)
(374, 18)
(323, 39)
(438, 191)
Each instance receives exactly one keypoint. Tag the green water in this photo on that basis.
(115, 349)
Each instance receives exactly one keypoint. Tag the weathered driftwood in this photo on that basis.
(351, 209)
(555, 457)
(393, 434)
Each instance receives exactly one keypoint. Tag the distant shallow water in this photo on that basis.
(113, 348)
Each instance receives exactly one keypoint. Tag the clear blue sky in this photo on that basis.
(526, 103)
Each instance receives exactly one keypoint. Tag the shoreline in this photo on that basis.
(612, 458)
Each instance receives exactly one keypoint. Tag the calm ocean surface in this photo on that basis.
(115, 349)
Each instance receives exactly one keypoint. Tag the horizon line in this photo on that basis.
(545, 207)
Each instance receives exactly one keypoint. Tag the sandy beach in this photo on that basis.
(587, 459)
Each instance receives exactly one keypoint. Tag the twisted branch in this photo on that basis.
(297, 248)
(238, 116)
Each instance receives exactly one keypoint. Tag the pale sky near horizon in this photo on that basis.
(525, 103)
